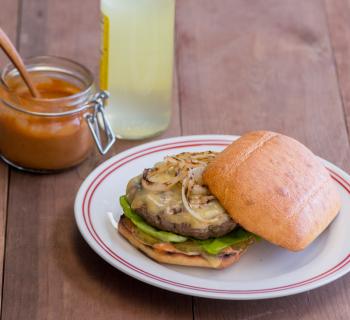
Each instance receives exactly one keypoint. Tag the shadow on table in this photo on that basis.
(328, 302)
(92, 280)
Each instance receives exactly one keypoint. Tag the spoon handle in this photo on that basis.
(13, 55)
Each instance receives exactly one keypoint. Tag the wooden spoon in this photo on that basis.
(13, 55)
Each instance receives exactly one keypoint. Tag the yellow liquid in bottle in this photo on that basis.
(137, 65)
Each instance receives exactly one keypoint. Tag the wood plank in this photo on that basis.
(32, 42)
(51, 273)
(338, 14)
(247, 65)
(8, 22)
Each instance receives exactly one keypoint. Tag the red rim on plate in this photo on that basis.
(118, 164)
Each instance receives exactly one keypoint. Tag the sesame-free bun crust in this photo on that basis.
(125, 228)
(275, 187)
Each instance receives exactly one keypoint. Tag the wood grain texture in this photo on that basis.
(241, 65)
(338, 13)
(51, 273)
(249, 65)
(8, 22)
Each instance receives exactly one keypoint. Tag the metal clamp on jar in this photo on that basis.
(57, 130)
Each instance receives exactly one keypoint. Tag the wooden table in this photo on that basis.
(241, 65)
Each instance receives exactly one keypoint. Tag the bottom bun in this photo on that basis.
(125, 228)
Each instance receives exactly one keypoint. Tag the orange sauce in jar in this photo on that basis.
(39, 142)
(48, 87)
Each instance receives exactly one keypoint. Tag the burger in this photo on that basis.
(205, 209)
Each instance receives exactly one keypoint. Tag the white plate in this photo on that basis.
(265, 271)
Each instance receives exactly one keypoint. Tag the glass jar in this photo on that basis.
(137, 65)
(58, 130)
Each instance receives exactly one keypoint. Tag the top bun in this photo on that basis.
(275, 187)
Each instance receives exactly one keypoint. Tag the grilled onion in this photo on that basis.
(186, 168)
(188, 206)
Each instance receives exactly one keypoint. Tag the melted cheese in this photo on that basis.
(158, 203)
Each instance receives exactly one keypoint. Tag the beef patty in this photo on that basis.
(165, 211)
